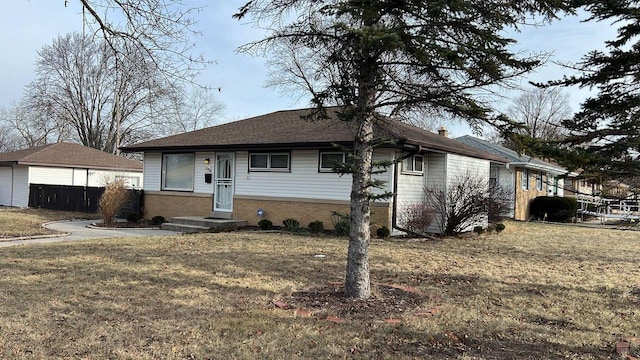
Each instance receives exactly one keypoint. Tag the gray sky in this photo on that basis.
(28, 25)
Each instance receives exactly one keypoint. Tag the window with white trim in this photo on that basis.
(493, 177)
(329, 160)
(178, 171)
(524, 179)
(269, 161)
(539, 181)
(413, 165)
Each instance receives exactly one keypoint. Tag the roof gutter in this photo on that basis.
(550, 169)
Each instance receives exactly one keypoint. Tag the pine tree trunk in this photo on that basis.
(357, 283)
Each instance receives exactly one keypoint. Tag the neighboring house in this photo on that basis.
(583, 187)
(527, 177)
(61, 164)
(278, 166)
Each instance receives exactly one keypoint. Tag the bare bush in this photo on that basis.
(500, 202)
(115, 196)
(467, 201)
(417, 217)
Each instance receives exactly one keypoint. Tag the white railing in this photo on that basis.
(606, 209)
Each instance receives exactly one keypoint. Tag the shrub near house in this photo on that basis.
(553, 208)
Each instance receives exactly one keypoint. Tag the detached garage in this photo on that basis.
(61, 164)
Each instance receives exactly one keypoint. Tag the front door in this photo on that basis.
(223, 183)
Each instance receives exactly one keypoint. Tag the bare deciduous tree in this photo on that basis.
(190, 110)
(539, 112)
(80, 84)
(161, 29)
(24, 127)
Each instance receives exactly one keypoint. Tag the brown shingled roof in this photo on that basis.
(69, 155)
(286, 130)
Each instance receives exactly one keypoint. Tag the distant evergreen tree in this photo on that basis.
(604, 136)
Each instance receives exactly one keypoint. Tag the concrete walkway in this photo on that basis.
(78, 230)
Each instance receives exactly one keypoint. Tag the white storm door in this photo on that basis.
(223, 197)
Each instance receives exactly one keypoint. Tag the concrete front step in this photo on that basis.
(199, 224)
(184, 228)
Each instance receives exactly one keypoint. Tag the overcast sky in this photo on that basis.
(28, 25)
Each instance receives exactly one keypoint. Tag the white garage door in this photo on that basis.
(5, 186)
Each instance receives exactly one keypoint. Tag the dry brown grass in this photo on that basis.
(28, 222)
(535, 291)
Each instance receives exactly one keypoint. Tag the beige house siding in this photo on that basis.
(303, 210)
(524, 197)
(170, 204)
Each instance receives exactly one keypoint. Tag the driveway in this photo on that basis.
(78, 231)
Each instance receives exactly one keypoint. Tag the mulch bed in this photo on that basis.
(387, 303)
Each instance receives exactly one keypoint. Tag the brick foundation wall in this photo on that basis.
(170, 204)
(303, 210)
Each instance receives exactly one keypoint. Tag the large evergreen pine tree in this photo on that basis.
(393, 57)
(604, 139)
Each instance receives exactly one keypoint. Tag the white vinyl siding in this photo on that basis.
(21, 186)
(459, 167)
(99, 178)
(303, 180)
(506, 181)
(80, 177)
(6, 184)
(436, 170)
(445, 169)
(50, 175)
(410, 188)
(199, 184)
(152, 171)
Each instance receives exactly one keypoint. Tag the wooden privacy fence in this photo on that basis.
(78, 198)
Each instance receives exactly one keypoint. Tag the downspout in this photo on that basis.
(12, 184)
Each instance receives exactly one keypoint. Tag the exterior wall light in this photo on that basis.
(206, 161)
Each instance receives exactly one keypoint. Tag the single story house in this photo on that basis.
(278, 166)
(525, 176)
(61, 164)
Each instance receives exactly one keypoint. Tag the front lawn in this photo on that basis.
(28, 222)
(535, 291)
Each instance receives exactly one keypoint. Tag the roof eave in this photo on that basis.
(83, 166)
(548, 168)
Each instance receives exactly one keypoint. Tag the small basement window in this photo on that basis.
(269, 162)
(413, 165)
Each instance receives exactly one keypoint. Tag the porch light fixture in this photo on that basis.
(206, 161)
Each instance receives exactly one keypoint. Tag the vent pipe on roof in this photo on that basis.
(443, 132)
